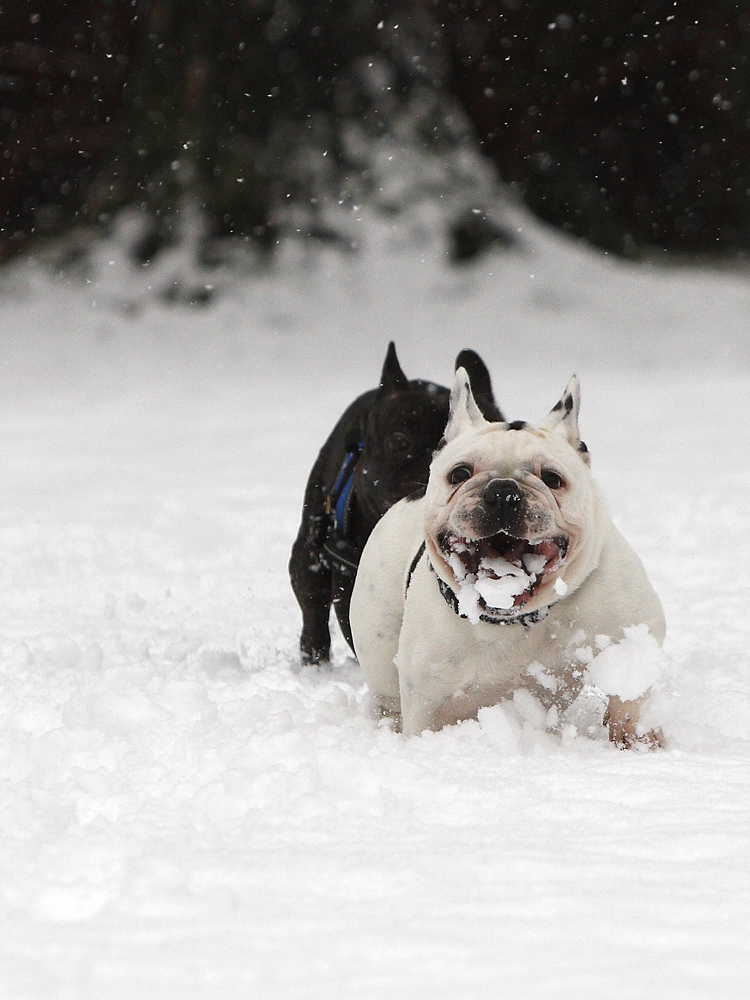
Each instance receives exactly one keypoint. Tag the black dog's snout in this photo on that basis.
(503, 494)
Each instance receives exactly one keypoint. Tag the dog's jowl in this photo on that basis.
(378, 452)
(510, 561)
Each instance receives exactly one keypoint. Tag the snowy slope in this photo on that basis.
(187, 813)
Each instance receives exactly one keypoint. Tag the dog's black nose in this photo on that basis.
(502, 494)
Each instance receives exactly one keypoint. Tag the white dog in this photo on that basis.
(498, 577)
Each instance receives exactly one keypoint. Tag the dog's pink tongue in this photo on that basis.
(549, 549)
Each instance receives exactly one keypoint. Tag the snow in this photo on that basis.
(498, 592)
(631, 667)
(468, 599)
(496, 583)
(185, 811)
(533, 564)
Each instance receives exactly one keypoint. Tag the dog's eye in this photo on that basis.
(397, 441)
(460, 474)
(551, 479)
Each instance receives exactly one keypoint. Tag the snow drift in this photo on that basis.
(187, 812)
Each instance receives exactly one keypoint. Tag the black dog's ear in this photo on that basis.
(481, 384)
(392, 378)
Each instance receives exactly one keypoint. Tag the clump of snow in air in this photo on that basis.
(542, 676)
(185, 811)
(631, 667)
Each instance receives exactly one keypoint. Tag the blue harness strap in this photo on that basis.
(344, 489)
(342, 554)
(338, 498)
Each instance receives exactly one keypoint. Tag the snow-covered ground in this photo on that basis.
(186, 813)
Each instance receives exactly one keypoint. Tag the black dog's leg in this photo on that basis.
(310, 577)
(342, 596)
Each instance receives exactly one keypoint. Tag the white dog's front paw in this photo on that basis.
(622, 718)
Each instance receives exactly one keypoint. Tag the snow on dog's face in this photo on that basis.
(513, 519)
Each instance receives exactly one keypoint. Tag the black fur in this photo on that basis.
(517, 425)
(566, 404)
(399, 425)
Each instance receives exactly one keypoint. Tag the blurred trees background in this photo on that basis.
(625, 123)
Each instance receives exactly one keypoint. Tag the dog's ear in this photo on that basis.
(392, 378)
(563, 417)
(481, 383)
(464, 412)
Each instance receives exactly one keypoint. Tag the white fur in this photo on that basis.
(431, 667)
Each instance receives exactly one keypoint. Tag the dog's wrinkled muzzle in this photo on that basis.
(502, 494)
(502, 506)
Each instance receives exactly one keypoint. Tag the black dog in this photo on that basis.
(378, 453)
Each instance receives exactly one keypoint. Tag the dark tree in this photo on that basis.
(624, 122)
(238, 107)
(227, 101)
(62, 74)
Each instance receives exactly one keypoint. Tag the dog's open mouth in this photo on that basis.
(501, 572)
